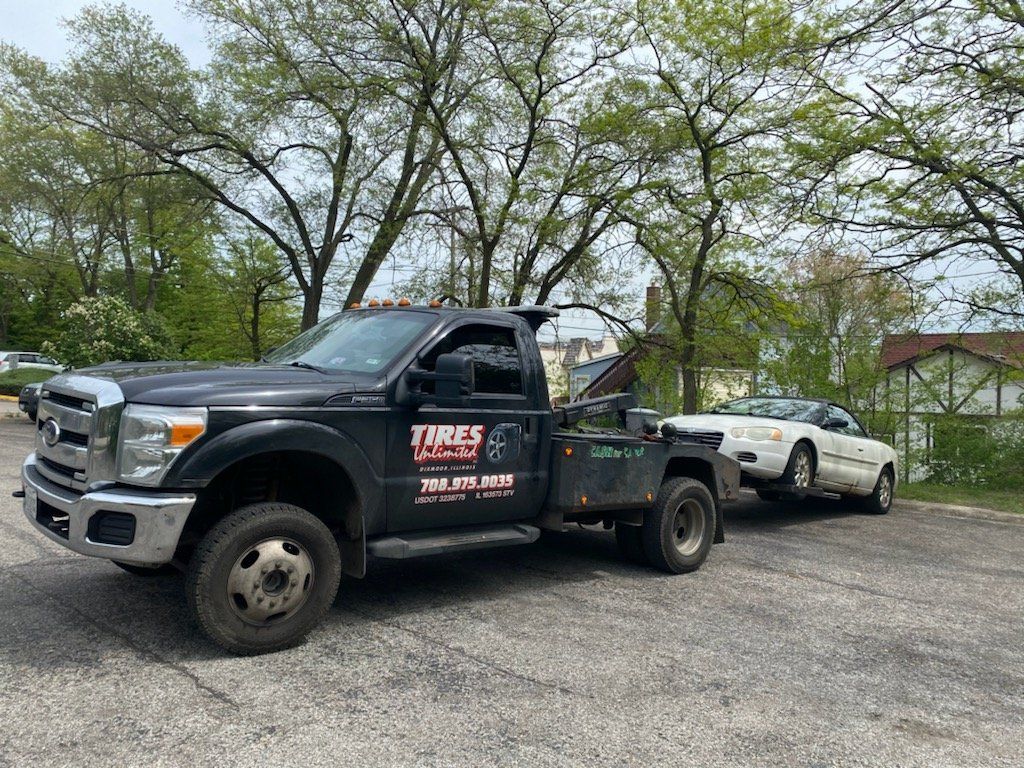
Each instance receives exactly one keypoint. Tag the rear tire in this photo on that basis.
(146, 571)
(880, 500)
(263, 577)
(679, 530)
(631, 545)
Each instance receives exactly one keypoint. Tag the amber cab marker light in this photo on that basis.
(354, 305)
(583, 500)
(387, 303)
(373, 303)
(434, 304)
(404, 302)
(568, 451)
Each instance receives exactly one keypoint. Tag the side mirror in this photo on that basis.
(835, 423)
(453, 380)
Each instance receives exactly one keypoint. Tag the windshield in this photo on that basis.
(361, 342)
(773, 408)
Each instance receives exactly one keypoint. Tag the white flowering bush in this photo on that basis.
(97, 330)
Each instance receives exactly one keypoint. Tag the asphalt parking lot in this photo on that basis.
(813, 637)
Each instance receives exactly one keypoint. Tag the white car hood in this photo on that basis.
(724, 421)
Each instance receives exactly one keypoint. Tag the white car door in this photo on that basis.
(834, 470)
(860, 456)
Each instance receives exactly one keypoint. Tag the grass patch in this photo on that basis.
(1004, 501)
(11, 382)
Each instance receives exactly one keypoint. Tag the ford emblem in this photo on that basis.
(51, 432)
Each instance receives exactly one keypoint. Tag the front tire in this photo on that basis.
(263, 577)
(880, 500)
(678, 531)
(799, 472)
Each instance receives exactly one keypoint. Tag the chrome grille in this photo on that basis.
(87, 414)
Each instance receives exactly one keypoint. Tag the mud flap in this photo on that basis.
(719, 524)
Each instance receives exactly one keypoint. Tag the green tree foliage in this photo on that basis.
(723, 102)
(838, 313)
(924, 166)
(97, 330)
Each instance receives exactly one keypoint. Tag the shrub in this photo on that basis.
(11, 382)
(97, 330)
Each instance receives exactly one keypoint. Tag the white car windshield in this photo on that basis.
(773, 408)
(360, 342)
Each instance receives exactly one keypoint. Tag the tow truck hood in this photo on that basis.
(229, 384)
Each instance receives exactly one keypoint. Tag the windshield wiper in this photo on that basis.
(307, 366)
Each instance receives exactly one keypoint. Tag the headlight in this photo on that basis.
(757, 433)
(151, 438)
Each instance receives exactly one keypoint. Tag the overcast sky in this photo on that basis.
(35, 25)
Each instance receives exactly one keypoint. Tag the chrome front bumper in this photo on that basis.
(159, 517)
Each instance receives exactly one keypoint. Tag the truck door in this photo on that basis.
(475, 463)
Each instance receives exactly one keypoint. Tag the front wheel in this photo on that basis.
(880, 500)
(263, 577)
(678, 531)
(799, 472)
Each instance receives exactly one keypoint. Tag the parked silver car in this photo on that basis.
(10, 361)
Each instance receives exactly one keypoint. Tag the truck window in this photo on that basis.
(496, 365)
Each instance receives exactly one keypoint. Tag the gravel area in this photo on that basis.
(812, 637)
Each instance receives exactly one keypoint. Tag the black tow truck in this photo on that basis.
(387, 432)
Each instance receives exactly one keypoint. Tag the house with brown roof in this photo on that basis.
(939, 386)
(561, 355)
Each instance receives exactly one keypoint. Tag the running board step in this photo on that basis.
(402, 546)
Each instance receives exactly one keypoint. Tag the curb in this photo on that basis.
(953, 510)
(9, 398)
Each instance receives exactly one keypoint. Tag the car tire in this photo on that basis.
(799, 472)
(631, 544)
(880, 500)
(263, 577)
(146, 571)
(764, 495)
(677, 533)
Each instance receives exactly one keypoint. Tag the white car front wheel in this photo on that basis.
(799, 471)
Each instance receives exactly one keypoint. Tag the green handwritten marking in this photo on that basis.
(609, 452)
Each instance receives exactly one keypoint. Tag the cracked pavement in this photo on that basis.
(812, 637)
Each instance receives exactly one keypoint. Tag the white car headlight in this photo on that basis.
(757, 433)
(152, 437)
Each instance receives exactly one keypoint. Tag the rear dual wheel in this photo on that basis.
(677, 533)
(263, 577)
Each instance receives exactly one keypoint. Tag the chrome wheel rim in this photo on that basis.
(802, 470)
(884, 490)
(688, 527)
(270, 581)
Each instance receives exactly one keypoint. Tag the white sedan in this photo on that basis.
(789, 441)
